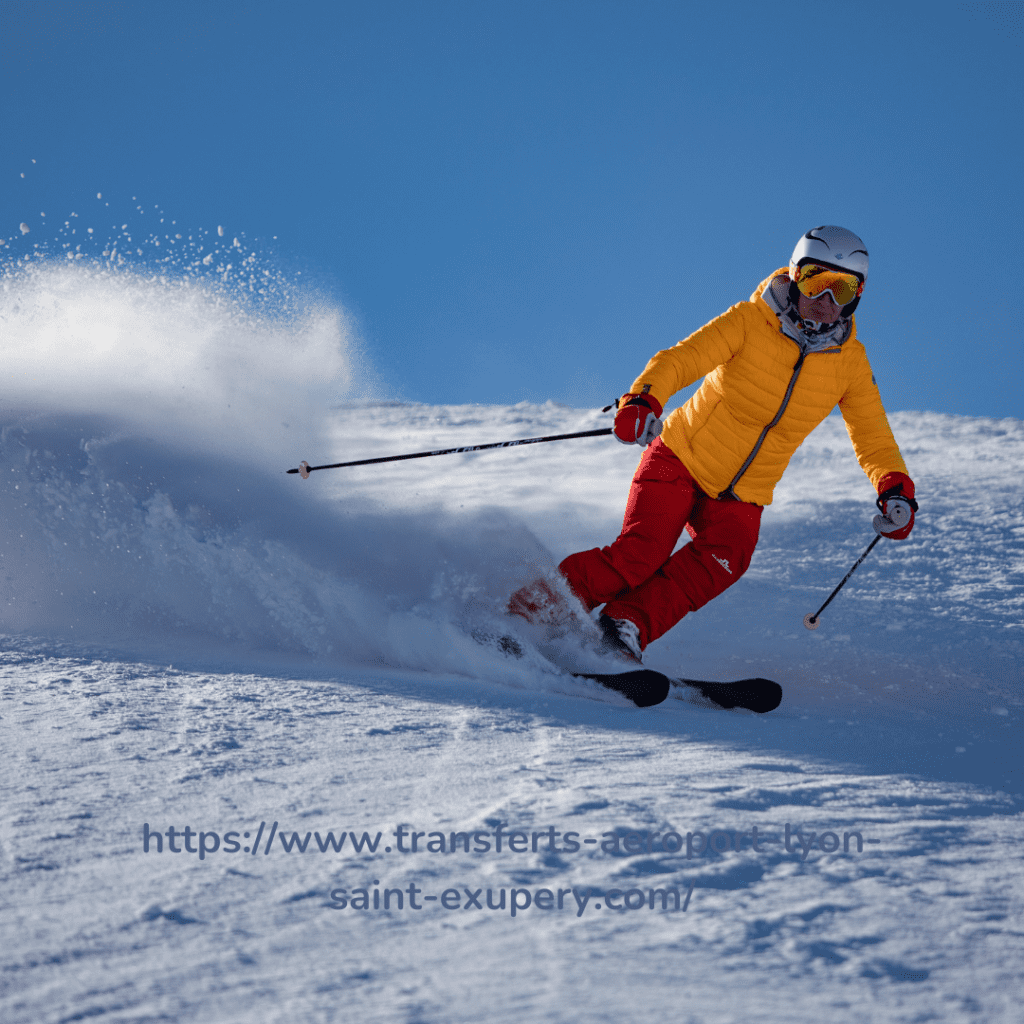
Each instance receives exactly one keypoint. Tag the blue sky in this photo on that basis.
(526, 200)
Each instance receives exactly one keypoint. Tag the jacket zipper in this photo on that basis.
(729, 493)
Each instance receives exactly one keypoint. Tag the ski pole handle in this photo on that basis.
(304, 468)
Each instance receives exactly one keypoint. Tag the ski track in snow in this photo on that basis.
(194, 638)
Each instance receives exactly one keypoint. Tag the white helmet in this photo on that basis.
(835, 247)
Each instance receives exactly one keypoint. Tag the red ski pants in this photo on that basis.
(638, 576)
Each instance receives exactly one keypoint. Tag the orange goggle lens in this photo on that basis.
(814, 280)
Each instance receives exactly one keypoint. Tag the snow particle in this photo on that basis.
(220, 230)
(25, 229)
(99, 195)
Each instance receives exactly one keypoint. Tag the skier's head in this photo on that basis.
(829, 260)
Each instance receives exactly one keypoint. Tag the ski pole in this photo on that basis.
(811, 621)
(305, 468)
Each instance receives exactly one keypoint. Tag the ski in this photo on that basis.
(646, 687)
(760, 695)
(643, 686)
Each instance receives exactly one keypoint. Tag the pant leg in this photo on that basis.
(724, 537)
(661, 498)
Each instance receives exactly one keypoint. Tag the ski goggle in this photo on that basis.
(814, 280)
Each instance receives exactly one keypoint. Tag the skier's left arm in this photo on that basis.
(879, 455)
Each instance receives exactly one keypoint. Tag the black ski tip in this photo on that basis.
(644, 687)
(758, 695)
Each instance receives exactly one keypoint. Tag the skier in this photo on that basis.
(773, 367)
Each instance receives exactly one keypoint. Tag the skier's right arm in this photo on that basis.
(675, 368)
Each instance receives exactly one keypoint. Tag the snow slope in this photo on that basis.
(194, 638)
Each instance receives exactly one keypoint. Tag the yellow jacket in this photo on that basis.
(761, 396)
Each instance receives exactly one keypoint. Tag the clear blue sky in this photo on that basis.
(527, 199)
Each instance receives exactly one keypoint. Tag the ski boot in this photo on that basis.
(621, 637)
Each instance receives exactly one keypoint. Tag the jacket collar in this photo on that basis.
(776, 295)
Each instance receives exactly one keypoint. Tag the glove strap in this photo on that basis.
(637, 400)
(894, 492)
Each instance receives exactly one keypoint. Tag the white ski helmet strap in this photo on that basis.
(835, 247)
